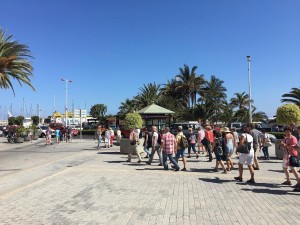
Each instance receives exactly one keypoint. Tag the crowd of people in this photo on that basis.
(223, 144)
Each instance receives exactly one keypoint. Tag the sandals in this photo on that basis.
(287, 183)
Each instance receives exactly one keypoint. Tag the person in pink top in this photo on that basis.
(288, 148)
(201, 135)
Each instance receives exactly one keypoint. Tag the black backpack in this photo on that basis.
(159, 139)
(149, 142)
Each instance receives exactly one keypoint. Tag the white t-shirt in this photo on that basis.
(155, 135)
(248, 139)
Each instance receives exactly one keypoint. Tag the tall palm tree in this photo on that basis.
(190, 84)
(129, 106)
(150, 93)
(292, 97)
(14, 62)
(214, 92)
(240, 101)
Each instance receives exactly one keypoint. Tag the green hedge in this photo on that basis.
(278, 135)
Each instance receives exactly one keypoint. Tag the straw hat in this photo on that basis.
(208, 127)
(226, 130)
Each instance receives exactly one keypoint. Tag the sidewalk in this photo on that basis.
(99, 187)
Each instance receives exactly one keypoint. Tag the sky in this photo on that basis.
(110, 49)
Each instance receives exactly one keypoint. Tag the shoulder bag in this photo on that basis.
(244, 148)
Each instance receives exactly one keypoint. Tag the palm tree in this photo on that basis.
(241, 100)
(150, 93)
(214, 92)
(190, 84)
(14, 62)
(129, 106)
(292, 97)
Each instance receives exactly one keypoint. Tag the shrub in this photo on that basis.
(133, 121)
(287, 114)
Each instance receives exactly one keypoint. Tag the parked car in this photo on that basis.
(42, 131)
(185, 127)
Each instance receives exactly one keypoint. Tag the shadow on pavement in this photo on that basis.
(109, 153)
(117, 161)
(277, 171)
(215, 180)
(153, 169)
(203, 170)
(270, 191)
(268, 185)
(9, 170)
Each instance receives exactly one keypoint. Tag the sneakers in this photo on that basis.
(287, 183)
(177, 169)
(216, 170)
(251, 181)
(184, 169)
(256, 168)
(160, 164)
(139, 161)
(128, 160)
(148, 163)
(238, 178)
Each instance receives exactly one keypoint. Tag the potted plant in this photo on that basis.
(34, 130)
(132, 121)
(19, 135)
(26, 134)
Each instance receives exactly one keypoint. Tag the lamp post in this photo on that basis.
(249, 86)
(66, 110)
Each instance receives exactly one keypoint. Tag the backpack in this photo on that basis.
(183, 142)
(149, 142)
(159, 139)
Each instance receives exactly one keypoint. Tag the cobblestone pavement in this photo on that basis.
(99, 187)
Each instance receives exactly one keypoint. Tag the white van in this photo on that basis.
(185, 126)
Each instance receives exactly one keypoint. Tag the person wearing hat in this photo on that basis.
(229, 140)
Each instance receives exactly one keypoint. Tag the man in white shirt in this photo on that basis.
(155, 147)
(246, 158)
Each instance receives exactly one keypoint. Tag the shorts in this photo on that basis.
(246, 158)
(180, 152)
(285, 164)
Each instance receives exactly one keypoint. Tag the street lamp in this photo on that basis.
(249, 85)
(66, 111)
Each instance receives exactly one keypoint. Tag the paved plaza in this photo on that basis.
(73, 183)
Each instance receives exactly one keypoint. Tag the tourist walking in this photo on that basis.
(209, 141)
(265, 143)
(220, 150)
(48, 136)
(229, 141)
(236, 138)
(134, 141)
(98, 136)
(107, 138)
(168, 149)
(246, 158)
(200, 136)
(155, 147)
(256, 144)
(192, 143)
(147, 142)
(119, 136)
(180, 147)
(112, 136)
(57, 134)
(290, 154)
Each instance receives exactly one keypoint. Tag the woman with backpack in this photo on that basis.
(147, 142)
(220, 151)
(192, 143)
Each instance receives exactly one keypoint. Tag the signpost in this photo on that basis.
(80, 113)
